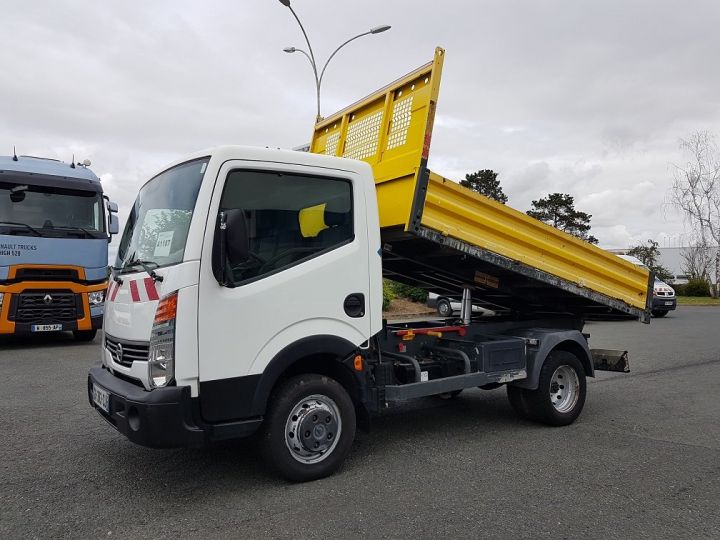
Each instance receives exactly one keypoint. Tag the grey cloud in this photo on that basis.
(583, 97)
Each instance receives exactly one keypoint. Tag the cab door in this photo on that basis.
(306, 273)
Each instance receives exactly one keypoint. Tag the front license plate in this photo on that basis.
(101, 398)
(668, 303)
(46, 327)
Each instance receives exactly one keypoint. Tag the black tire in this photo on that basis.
(285, 399)
(538, 404)
(444, 308)
(84, 335)
(449, 395)
(659, 313)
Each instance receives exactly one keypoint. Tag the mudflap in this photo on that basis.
(610, 360)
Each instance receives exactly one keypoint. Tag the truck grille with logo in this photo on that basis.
(44, 307)
(126, 352)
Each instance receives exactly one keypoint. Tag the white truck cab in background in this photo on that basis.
(664, 299)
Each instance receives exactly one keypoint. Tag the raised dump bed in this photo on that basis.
(443, 237)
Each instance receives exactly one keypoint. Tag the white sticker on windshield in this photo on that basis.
(162, 246)
(202, 169)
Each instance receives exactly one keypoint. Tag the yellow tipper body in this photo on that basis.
(442, 236)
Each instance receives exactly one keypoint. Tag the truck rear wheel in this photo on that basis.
(309, 427)
(560, 395)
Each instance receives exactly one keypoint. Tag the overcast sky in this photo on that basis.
(588, 98)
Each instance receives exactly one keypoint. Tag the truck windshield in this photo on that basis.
(27, 210)
(159, 222)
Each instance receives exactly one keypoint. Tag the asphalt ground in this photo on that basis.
(642, 461)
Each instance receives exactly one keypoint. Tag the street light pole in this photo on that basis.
(311, 55)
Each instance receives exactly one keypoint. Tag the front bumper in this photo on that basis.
(662, 303)
(160, 418)
(22, 329)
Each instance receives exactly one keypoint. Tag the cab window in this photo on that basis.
(290, 218)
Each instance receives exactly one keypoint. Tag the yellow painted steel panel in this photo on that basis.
(461, 213)
(391, 130)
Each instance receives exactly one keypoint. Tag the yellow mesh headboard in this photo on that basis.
(391, 130)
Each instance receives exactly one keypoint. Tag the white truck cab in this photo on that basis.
(300, 239)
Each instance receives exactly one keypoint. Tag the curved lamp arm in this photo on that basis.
(307, 40)
(336, 51)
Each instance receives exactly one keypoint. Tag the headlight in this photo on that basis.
(2, 295)
(97, 297)
(161, 357)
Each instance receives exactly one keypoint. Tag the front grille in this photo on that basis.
(46, 274)
(46, 307)
(126, 352)
(665, 294)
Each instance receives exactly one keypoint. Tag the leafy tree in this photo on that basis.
(649, 254)
(485, 182)
(414, 294)
(558, 210)
(388, 294)
(697, 287)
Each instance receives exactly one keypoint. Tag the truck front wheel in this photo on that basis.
(560, 395)
(309, 427)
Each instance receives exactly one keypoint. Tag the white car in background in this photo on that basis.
(447, 306)
(663, 294)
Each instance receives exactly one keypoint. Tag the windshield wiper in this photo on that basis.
(28, 227)
(114, 274)
(144, 264)
(73, 228)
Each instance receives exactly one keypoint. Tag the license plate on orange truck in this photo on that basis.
(46, 327)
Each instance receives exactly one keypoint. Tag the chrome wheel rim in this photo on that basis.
(445, 309)
(313, 429)
(564, 389)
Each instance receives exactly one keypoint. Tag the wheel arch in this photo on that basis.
(323, 355)
(581, 353)
(571, 341)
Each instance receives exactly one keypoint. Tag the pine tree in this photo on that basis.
(485, 182)
(558, 210)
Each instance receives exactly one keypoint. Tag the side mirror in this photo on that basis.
(112, 207)
(231, 243)
(237, 242)
(114, 224)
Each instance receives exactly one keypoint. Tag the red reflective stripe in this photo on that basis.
(114, 291)
(150, 289)
(134, 291)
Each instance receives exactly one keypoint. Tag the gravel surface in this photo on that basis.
(643, 460)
